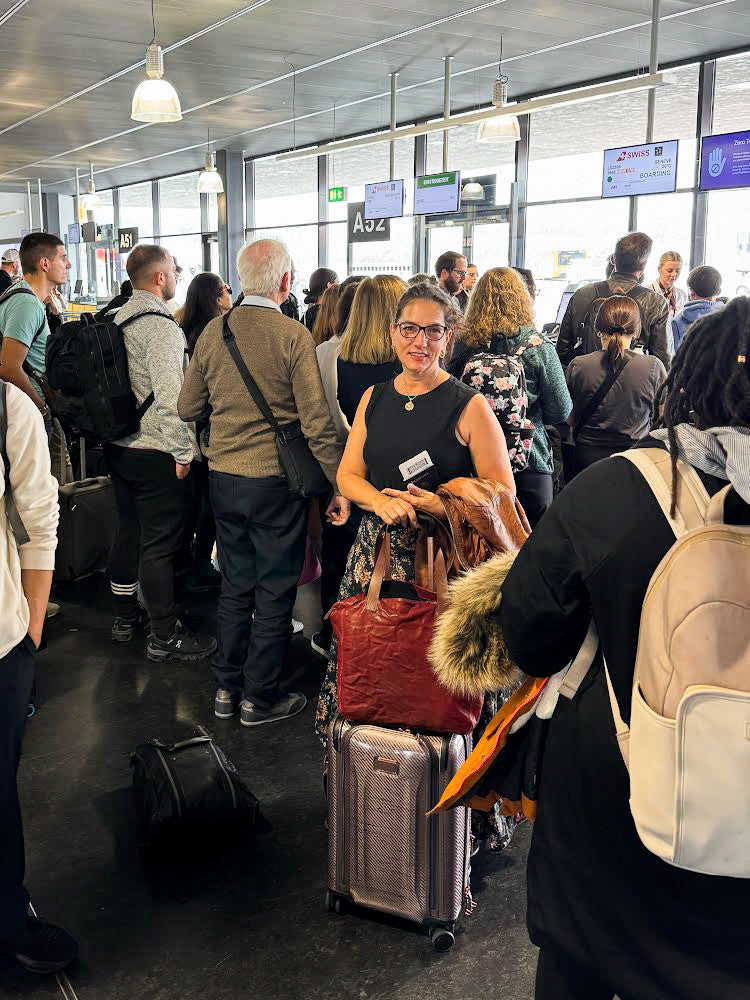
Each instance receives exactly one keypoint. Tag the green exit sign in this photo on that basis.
(337, 194)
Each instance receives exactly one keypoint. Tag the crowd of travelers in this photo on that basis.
(396, 389)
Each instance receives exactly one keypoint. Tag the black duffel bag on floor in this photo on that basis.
(188, 791)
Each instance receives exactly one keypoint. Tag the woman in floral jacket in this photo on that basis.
(501, 354)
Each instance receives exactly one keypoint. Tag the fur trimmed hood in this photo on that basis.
(468, 652)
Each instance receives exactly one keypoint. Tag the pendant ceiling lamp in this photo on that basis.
(155, 99)
(91, 200)
(472, 191)
(505, 129)
(209, 179)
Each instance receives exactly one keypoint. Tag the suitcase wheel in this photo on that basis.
(442, 938)
(334, 903)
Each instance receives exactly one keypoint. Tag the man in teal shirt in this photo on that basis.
(23, 321)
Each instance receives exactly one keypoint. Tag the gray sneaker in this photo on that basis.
(226, 704)
(291, 704)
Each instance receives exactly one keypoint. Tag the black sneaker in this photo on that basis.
(291, 704)
(124, 629)
(203, 579)
(182, 645)
(45, 948)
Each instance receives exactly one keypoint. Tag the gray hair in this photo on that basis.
(261, 266)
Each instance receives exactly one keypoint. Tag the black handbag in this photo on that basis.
(298, 464)
(188, 791)
(570, 465)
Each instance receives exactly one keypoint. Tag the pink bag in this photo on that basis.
(311, 567)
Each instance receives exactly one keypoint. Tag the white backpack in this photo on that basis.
(688, 745)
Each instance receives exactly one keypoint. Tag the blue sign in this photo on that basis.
(725, 161)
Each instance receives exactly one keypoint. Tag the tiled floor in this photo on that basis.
(248, 923)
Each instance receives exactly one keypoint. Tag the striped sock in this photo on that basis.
(126, 599)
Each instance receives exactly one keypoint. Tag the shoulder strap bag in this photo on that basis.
(569, 447)
(298, 464)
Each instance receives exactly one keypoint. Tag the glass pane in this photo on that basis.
(472, 157)
(667, 220)
(337, 249)
(136, 210)
(490, 245)
(728, 239)
(105, 214)
(570, 243)
(676, 111)
(566, 150)
(179, 205)
(393, 257)
(731, 95)
(302, 243)
(213, 212)
(440, 239)
(188, 252)
(286, 193)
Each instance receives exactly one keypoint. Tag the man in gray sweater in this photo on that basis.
(260, 525)
(149, 468)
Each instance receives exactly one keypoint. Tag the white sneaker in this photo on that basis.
(52, 609)
(296, 626)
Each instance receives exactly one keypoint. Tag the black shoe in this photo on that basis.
(321, 643)
(203, 579)
(45, 948)
(285, 708)
(124, 629)
(182, 645)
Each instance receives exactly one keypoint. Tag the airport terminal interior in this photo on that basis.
(512, 155)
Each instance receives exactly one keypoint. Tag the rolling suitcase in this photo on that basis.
(88, 519)
(383, 851)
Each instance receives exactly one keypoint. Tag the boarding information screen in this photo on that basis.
(384, 200)
(437, 194)
(647, 169)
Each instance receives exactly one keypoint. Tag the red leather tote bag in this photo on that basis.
(383, 676)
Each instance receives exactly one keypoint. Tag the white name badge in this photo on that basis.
(415, 466)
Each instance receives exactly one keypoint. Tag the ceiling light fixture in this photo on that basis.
(91, 200)
(472, 191)
(504, 129)
(209, 179)
(155, 100)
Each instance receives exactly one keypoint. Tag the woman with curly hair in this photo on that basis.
(500, 323)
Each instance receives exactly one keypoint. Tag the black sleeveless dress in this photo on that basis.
(394, 436)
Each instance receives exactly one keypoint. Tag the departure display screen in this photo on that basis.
(437, 194)
(384, 200)
(647, 169)
(725, 161)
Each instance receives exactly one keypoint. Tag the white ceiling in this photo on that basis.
(237, 77)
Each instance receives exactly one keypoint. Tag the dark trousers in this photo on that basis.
(337, 544)
(587, 454)
(260, 536)
(152, 506)
(200, 529)
(16, 681)
(534, 491)
(558, 978)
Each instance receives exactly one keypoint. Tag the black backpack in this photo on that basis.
(87, 372)
(586, 339)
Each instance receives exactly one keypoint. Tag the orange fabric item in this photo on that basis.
(458, 791)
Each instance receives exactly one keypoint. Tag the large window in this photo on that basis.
(188, 252)
(569, 243)
(286, 194)
(179, 205)
(302, 243)
(667, 218)
(136, 209)
(474, 158)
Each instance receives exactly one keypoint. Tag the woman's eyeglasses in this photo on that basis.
(227, 289)
(411, 330)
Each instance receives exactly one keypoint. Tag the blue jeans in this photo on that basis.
(260, 538)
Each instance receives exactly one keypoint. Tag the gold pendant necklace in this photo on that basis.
(409, 405)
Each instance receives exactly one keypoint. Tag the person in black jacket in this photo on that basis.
(320, 279)
(577, 334)
(609, 916)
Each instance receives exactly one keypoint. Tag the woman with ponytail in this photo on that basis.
(604, 425)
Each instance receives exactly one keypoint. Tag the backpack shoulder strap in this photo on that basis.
(151, 312)
(24, 291)
(17, 526)
(655, 466)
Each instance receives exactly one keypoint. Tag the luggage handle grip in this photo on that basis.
(172, 747)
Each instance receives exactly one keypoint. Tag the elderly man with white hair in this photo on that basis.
(261, 525)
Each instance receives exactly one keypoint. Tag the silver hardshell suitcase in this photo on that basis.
(384, 852)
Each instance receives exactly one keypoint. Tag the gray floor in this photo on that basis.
(248, 923)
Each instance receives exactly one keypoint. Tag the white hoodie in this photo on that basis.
(35, 493)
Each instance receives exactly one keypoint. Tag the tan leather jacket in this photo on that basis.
(485, 519)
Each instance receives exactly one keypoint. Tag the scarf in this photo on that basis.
(723, 452)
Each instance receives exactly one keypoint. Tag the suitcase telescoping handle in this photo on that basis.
(174, 747)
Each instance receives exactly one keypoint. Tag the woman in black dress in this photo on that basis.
(609, 916)
(426, 419)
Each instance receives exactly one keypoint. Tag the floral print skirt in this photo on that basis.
(490, 827)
